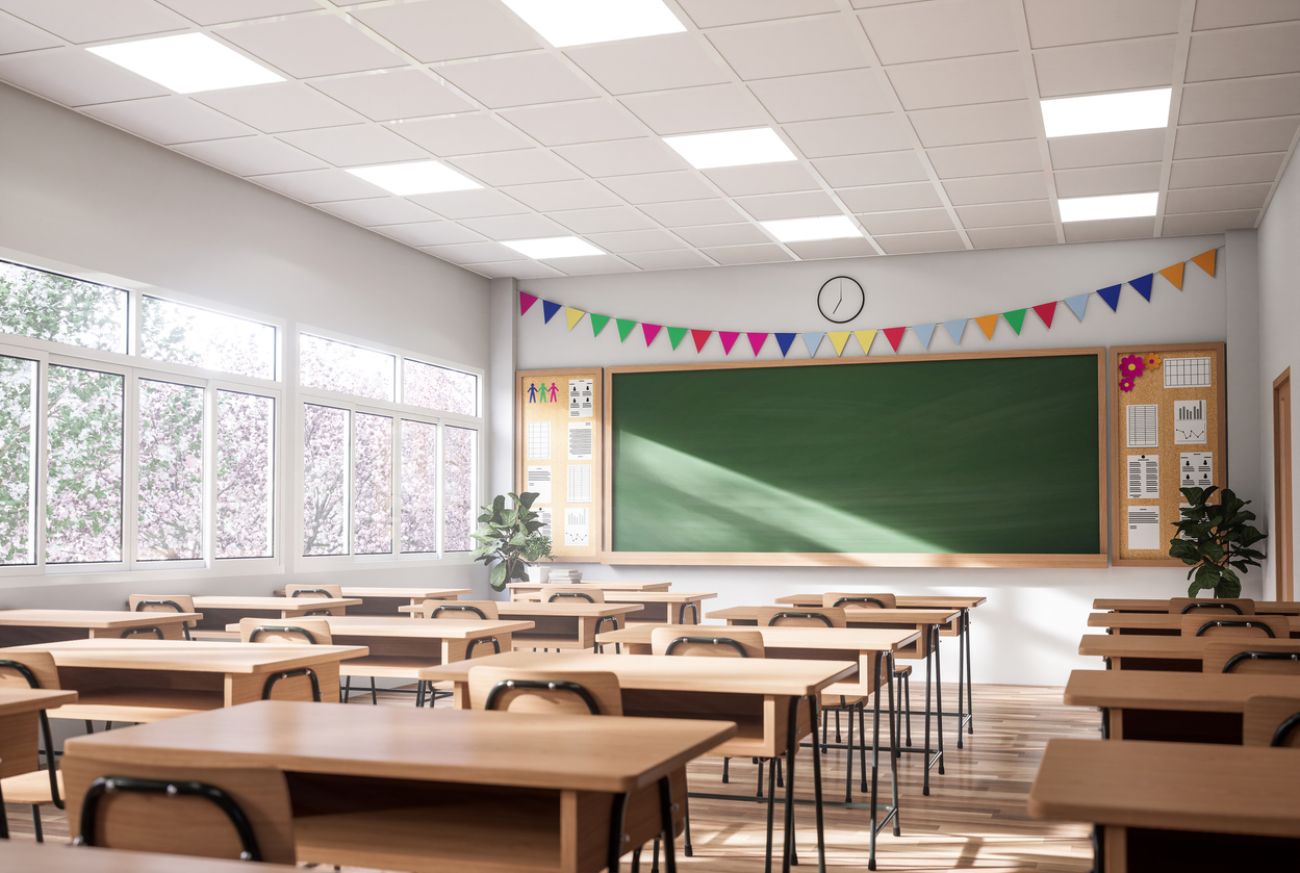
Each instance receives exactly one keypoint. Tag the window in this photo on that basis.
(459, 506)
(324, 485)
(181, 334)
(439, 388)
(18, 398)
(330, 365)
(245, 475)
(169, 472)
(48, 306)
(419, 487)
(372, 485)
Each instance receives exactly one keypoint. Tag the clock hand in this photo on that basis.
(839, 302)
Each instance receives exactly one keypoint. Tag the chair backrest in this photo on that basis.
(707, 642)
(306, 631)
(1246, 656)
(461, 610)
(572, 594)
(313, 589)
(1212, 605)
(28, 670)
(161, 603)
(801, 616)
(1271, 721)
(860, 599)
(539, 691)
(212, 812)
(1207, 624)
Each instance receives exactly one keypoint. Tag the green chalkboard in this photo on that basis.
(971, 455)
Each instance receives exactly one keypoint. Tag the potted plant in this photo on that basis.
(509, 538)
(1216, 540)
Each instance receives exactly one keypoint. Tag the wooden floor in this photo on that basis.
(973, 820)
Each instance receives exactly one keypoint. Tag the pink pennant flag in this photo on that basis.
(651, 331)
(526, 302)
(728, 338)
(756, 340)
(895, 336)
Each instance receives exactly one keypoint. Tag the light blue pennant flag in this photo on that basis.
(925, 333)
(812, 341)
(1078, 304)
(955, 329)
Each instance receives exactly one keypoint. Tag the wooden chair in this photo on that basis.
(164, 603)
(571, 594)
(313, 589)
(801, 616)
(537, 691)
(864, 600)
(1238, 656)
(707, 642)
(1215, 605)
(1272, 721)
(290, 631)
(1215, 626)
(461, 610)
(23, 780)
(212, 812)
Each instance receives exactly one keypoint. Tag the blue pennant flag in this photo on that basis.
(1078, 304)
(1111, 295)
(955, 329)
(785, 340)
(1142, 285)
(812, 341)
(548, 311)
(925, 333)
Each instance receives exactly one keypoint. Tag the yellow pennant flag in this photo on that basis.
(839, 339)
(573, 316)
(865, 339)
(1174, 273)
(988, 324)
(1206, 261)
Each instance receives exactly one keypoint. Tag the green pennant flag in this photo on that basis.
(675, 335)
(1015, 318)
(598, 323)
(625, 326)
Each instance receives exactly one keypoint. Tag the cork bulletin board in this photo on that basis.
(558, 446)
(1168, 431)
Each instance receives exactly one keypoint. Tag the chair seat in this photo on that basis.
(837, 701)
(30, 789)
(384, 667)
(524, 644)
(215, 636)
(902, 670)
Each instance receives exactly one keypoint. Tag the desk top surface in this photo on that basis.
(1138, 604)
(413, 628)
(528, 609)
(191, 657)
(595, 583)
(612, 596)
(858, 614)
(21, 855)
(904, 601)
(1163, 620)
(1181, 692)
(268, 603)
(850, 639)
(1166, 647)
(18, 700)
(413, 593)
(89, 619)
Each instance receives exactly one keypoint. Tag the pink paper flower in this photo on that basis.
(1131, 367)
(1125, 384)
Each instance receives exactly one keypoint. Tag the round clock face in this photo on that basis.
(841, 299)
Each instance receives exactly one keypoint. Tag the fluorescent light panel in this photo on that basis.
(731, 148)
(187, 63)
(578, 22)
(415, 177)
(1107, 113)
(1109, 206)
(549, 247)
(806, 229)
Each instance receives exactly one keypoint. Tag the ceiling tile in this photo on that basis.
(1067, 22)
(850, 136)
(1098, 149)
(1217, 199)
(906, 221)
(1250, 51)
(887, 198)
(987, 122)
(852, 247)
(792, 47)
(986, 159)
(1012, 237)
(656, 63)
(74, 77)
(1235, 13)
(1006, 214)
(1087, 69)
(168, 120)
(677, 260)
(592, 265)
(575, 122)
(622, 157)
(659, 187)
(470, 204)
(1209, 222)
(604, 219)
(723, 235)
(224, 11)
(392, 95)
(250, 156)
(549, 196)
(693, 213)
(759, 254)
(1229, 170)
(1115, 228)
(1235, 137)
(715, 107)
(473, 252)
(19, 36)
(878, 169)
(355, 146)
(514, 270)
(279, 106)
(763, 179)
(1114, 179)
(318, 186)
(823, 95)
(462, 134)
(447, 29)
(1232, 99)
(913, 243)
(516, 80)
(803, 204)
(81, 22)
(996, 189)
(430, 233)
(715, 13)
(377, 211)
(941, 29)
(312, 45)
(517, 168)
(960, 81)
(636, 241)
(524, 226)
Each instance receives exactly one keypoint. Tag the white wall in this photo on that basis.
(80, 195)
(1029, 631)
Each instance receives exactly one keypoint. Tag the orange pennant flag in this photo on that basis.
(988, 324)
(1206, 261)
(1174, 273)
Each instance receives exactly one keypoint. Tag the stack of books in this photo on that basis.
(563, 577)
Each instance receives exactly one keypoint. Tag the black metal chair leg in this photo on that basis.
(347, 688)
(374, 693)
(792, 748)
(686, 817)
(938, 695)
(862, 747)
(771, 808)
(817, 780)
(654, 857)
(838, 738)
(726, 770)
(666, 820)
(758, 791)
(90, 726)
(4, 818)
(907, 705)
(636, 860)
(848, 764)
(36, 823)
(614, 851)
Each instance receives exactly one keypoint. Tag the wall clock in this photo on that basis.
(841, 299)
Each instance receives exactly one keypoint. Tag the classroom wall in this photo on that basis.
(83, 196)
(1029, 631)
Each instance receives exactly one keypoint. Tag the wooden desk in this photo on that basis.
(658, 607)
(1132, 604)
(27, 626)
(1149, 799)
(423, 790)
(1150, 652)
(21, 856)
(533, 587)
(20, 739)
(219, 611)
(1160, 623)
(1173, 707)
(571, 625)
(151, 680)
(385, 600)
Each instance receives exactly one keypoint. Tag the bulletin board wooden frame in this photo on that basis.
(558, 417)
(1147, 389)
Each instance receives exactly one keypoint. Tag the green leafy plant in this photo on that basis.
(509, 538)
(1216, 540)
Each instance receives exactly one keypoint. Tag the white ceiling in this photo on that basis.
(919, 119)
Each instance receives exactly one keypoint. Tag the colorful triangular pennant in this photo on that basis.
(650, 331)
(925, 333)
(988, 324)
(625, 326)
(784, 341)
(1016, 318)
(1046, 312)
(1111, 295)
(1207, 261)
(865, 339)
(955, 328)
(675, 335)
(1078, 304)
(700, 337)
(526, 302)
(549, 308)
(839, 339)
(756, 340)
(1142, 285)
(812, 341)
(895, 336)
(728, 338)
(573, 316)
(1174, 273)
(598, 323)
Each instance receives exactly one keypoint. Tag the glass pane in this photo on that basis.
(184, 334)
(52, 307)
(439, 388)
(245, 475)
(372, 485)
(170, 472)
(419, 487)
(83, 512)
(348, 369)
(324, 487)
(458, 509)
(17, 461)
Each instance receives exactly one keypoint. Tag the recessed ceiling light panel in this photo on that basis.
(1109, 206)
(415, 177)
(807, 229)
(549, 247)
(187, 63)
(1107, 113)
(731, 148)
(578, 22)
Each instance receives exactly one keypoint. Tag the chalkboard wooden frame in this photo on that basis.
(859, 559)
